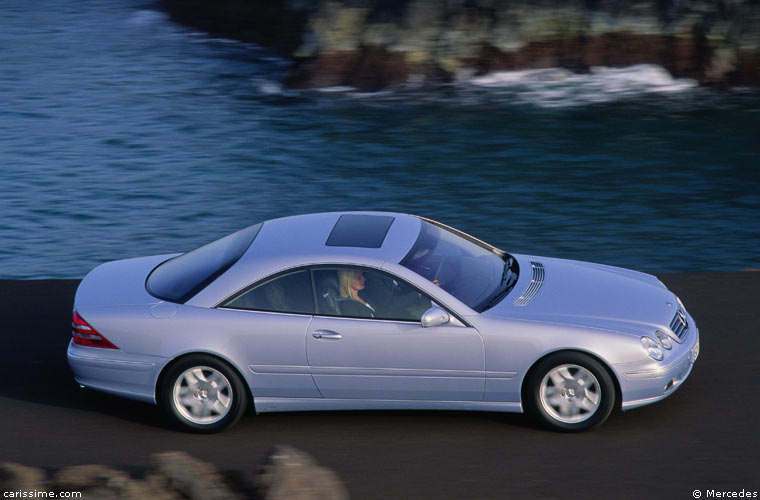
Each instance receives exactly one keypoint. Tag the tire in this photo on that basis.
(201, 393)
(570, 391)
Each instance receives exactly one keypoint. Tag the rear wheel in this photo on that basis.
(203, 394)
(570, 392)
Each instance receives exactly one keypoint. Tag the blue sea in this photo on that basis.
(123, 134)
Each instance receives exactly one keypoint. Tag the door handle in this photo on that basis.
(327, 334)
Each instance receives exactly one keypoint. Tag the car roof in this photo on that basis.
(328, 234)
(361, 238)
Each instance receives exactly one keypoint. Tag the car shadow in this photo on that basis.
(33, 366)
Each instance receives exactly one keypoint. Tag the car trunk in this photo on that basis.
(118, 283)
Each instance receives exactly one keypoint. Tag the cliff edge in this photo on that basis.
(374, 44)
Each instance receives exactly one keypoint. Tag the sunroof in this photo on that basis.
(366, 231)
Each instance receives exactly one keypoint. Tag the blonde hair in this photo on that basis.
(344, 280)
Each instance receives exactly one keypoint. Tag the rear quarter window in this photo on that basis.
(290, 293)
(180, 278)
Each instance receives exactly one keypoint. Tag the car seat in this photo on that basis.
(328, 293)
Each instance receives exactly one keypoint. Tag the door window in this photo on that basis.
(360, 293)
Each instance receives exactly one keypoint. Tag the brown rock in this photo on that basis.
(747, 70)
(370, 68)
(102, 482)
(291, 474)
(14, 477)
(190, 477)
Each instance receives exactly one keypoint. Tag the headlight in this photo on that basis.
(652, 348)
(664, 339)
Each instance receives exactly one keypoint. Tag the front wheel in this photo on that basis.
(570, 392)
(202, 394)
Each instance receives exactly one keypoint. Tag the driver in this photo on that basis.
(378, 296)
(351, 282)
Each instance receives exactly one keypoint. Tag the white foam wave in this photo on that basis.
(336, 89)
(268, 87)
(146, 17)
(557, 87)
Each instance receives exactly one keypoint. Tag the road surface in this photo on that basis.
(704, 437)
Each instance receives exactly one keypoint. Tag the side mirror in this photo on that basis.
(434, 316)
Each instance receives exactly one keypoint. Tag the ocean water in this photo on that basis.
(123, 134)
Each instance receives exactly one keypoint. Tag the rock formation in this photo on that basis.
(287, 473)
(375, 44)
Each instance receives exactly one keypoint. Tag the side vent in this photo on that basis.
(536, 282)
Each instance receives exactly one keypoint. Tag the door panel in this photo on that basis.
(271, 350)
(273, 316)
(374, 359)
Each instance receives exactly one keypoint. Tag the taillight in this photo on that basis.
(86, 335)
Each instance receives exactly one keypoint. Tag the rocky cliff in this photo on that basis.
(374, 44)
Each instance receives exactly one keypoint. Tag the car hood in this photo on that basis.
(586, 294)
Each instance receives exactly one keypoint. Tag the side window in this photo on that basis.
(361, 293)
(290, 293)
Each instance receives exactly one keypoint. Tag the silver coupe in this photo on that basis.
(375, 310)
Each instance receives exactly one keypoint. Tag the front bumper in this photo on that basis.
(651, 381)
(115, 372)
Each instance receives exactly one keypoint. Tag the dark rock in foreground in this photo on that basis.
(287, 474)
(371, 45)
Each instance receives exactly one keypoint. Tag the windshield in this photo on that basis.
(477, 274)
(180, 278)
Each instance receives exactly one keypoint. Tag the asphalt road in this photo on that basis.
(704, 437)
